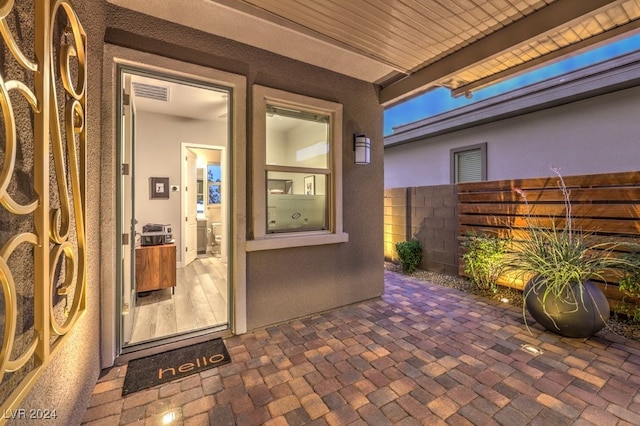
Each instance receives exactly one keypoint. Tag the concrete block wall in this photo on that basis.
(396, 225)
(428, 213)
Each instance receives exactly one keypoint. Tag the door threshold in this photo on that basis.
(163, 345)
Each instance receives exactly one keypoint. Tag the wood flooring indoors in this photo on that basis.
(199, 301)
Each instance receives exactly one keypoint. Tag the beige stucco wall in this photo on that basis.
(288, 283)
(68, 381)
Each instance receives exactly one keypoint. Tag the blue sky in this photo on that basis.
(440, 99)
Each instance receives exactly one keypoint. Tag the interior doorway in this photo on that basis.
(174, 137)
(204, 168)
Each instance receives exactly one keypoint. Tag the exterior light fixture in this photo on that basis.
(362, 148)
(169, 417)
(533, 350)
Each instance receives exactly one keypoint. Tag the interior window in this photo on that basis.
(214, 181)
(297, 185)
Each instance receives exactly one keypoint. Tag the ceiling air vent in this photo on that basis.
(149, 91)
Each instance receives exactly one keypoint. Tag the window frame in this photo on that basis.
(482, 147)
(266, 241)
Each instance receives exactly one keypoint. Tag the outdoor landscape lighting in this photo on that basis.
(362, 148)
(533, 350)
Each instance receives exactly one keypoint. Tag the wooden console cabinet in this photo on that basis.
(155, 267)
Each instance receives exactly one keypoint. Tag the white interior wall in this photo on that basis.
(277, 145)
(303, 136)
(285, 145)
(596, 135)
(158, 144)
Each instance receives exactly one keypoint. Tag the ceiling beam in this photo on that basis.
(557, 14)
(598, 40)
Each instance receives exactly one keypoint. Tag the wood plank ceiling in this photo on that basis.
(410, 46)
(459, 44)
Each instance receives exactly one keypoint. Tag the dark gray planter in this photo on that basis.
(566, 316)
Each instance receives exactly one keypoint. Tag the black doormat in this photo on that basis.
(153, 370)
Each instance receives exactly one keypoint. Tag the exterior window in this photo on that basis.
(214, 181)
(297, 154)
(297, 186)
(469, 164)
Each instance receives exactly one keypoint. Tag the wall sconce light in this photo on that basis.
(362, 148)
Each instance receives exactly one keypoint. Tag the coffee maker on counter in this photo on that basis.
(154, 234)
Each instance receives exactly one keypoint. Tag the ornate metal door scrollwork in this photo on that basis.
(43, 256)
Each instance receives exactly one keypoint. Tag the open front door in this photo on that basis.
(190, 208)
(127, 213)
(189, 292)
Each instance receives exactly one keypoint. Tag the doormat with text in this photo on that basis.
(153, 370)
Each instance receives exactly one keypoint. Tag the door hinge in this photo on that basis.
(125, 169)
(125, 239)
(125, 309)
(126, 100)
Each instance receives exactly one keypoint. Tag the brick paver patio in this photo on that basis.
(423, 354)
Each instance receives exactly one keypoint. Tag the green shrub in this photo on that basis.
(410, 254)
(484, 259)
(629, 284)
(629, 310)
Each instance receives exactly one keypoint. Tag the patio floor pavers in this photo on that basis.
(422, 354)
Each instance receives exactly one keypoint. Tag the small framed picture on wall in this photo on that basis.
(310, 185)
(159, 188)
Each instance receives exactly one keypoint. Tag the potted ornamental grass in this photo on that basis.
(558, 264)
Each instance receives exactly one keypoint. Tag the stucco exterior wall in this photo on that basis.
(289, 283)
(595, 135)
(68, 381)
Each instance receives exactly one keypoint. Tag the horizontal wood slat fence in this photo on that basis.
(607, 205)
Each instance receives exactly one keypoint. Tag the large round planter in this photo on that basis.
(565, 316)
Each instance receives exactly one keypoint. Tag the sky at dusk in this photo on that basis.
(440, 100)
